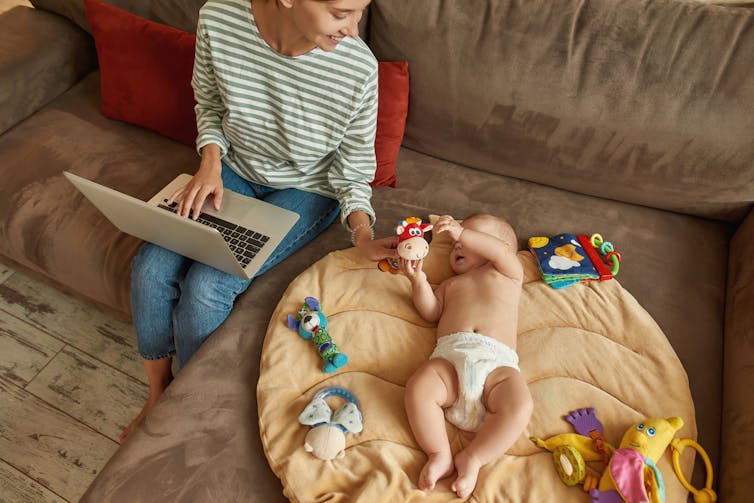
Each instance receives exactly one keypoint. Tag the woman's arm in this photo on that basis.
(209, 108)
(362, 237)
(210, 142)
(351, 172)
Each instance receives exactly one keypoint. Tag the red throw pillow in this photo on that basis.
(145, 71)
(392, 109)
(146, 67)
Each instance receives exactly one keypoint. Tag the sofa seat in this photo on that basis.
(49, 228)
(203, 435)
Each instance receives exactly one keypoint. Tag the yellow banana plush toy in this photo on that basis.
(631, 474)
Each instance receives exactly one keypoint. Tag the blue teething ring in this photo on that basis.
(343, 393)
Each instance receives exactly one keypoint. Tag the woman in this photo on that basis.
(286, 111)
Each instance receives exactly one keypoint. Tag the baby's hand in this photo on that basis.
(412, 269)
(448, 224)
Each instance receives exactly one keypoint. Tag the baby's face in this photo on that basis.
(464, 260)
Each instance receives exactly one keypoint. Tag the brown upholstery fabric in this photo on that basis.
(47, 225)
(181, 14)
(76, 11)
(645, 102)
(738, 409)
(41, 56)
(631, 119)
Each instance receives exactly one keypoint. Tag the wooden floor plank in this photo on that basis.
(74, 322)
(15, 486)
(5, 273)
(47, 445)
(95, 394)
(24, 349)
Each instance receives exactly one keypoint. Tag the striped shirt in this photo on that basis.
(306, 122)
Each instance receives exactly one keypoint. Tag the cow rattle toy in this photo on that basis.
(411, 243)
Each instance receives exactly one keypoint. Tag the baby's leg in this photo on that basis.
(509, 406)
(432, 387)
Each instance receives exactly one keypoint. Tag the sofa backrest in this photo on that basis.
(181, 14)
(649, 102)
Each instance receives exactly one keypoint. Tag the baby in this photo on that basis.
(472, 377)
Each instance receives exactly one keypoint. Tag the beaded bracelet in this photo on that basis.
(361, 226)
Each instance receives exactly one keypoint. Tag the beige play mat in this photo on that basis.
(586, 345)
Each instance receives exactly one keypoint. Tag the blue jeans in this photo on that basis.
(177, 303)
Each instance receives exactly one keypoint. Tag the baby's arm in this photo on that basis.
(427, 302)
(499, 252)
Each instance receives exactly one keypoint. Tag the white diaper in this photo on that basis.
(474, 356)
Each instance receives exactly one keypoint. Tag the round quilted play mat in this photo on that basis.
(588, 345)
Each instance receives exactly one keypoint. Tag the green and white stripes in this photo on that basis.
(306, 122)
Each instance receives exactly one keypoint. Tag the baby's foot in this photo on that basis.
(467, 467)
(439, 466)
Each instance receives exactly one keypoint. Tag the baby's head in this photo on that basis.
(461, 260)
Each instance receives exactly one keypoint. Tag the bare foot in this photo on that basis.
(468, 470)
(159, 375)
(131, 427)
(439, 465)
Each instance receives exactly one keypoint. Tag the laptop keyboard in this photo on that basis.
(243, 242)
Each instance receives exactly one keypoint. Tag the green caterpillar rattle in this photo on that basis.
(311, 324)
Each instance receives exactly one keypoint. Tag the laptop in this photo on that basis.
(237, 239)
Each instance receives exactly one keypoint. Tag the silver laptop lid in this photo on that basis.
(197, 241)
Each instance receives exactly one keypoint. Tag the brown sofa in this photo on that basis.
(629, 118)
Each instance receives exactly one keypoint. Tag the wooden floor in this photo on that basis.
(70, 381)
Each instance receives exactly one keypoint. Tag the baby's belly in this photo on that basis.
(500, 327)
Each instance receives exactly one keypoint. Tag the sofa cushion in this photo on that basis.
(145, 71)
(392, 109)
(48, 226)
(645, 102)
(41, 56)
(76, 11)
(181, 14)
(738, 407)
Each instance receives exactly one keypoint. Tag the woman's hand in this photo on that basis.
(378, 249)
(362, 238)
(207, 182)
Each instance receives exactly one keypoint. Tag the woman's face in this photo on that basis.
(326, 22)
